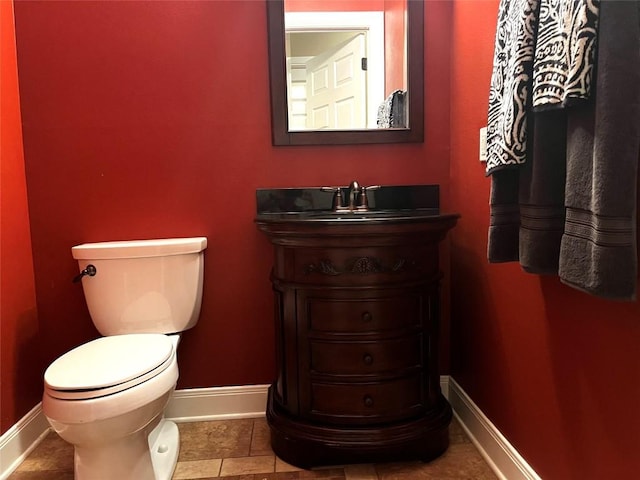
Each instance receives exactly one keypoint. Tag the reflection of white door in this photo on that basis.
(336, 87)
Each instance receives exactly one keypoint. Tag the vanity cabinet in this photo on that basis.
(357, 312)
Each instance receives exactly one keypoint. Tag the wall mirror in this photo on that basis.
(346, 77)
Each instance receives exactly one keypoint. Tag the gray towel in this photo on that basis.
(541, 196)
(527, 203)
(598, 250)
(504, 223)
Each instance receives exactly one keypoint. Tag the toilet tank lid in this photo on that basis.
(139, 248)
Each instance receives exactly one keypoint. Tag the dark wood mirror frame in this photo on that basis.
(280, 133)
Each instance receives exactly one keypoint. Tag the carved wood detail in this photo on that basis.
(360, 266)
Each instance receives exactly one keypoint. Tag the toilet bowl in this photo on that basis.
(107, 396)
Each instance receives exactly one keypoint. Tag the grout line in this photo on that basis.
(253, 431)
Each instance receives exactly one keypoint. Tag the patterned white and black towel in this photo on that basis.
(565, 52)
(511, 83)
(391, 112)
(544, 57)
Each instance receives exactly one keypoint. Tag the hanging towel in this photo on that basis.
(391, 112)
(504, 222)
(542, 184)
(527, 203)
(511, 83)
(565, 52)
(598, 250)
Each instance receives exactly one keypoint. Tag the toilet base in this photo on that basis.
(150, 454)
(164, 445)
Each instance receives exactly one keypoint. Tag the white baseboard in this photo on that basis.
(249, 401)
(17, 442)
(504, 460)
(217, 403)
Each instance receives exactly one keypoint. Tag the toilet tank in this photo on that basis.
(143, 286)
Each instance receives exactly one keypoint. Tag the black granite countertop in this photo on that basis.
(313, 205)
(314, 200)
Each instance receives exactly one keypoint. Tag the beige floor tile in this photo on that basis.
(53, 453)
(261, 438)
(197, 469)
(299, 475)
(41, 475)
(400, 470)
(360, 472)
(282, 466)
(246, 465)
(331, 473)
(215, 439)
(459, 462)
(456, 433)
(251, 476)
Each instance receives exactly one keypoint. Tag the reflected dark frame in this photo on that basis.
(280, 133)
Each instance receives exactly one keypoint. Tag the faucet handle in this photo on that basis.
(364, 201)
(337, 196)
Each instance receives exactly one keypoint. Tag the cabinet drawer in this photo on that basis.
(364, 315)
(366, 402)
(365, 358)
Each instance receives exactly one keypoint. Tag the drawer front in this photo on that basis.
(364, 266)
(363, 315)
(366, 403)
(365, 358)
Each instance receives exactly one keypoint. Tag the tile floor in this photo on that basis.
(240, 450)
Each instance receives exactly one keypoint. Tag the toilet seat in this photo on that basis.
(108, 365)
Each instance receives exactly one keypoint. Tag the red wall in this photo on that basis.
(19, 356)
(151, 119)
(555, 369)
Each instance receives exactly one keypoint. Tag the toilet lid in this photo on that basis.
(108, 362)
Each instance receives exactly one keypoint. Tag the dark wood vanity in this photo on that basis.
(357, 311)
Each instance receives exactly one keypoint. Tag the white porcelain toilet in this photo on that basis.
(107, 397)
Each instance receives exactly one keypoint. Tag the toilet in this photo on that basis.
(107, 397)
